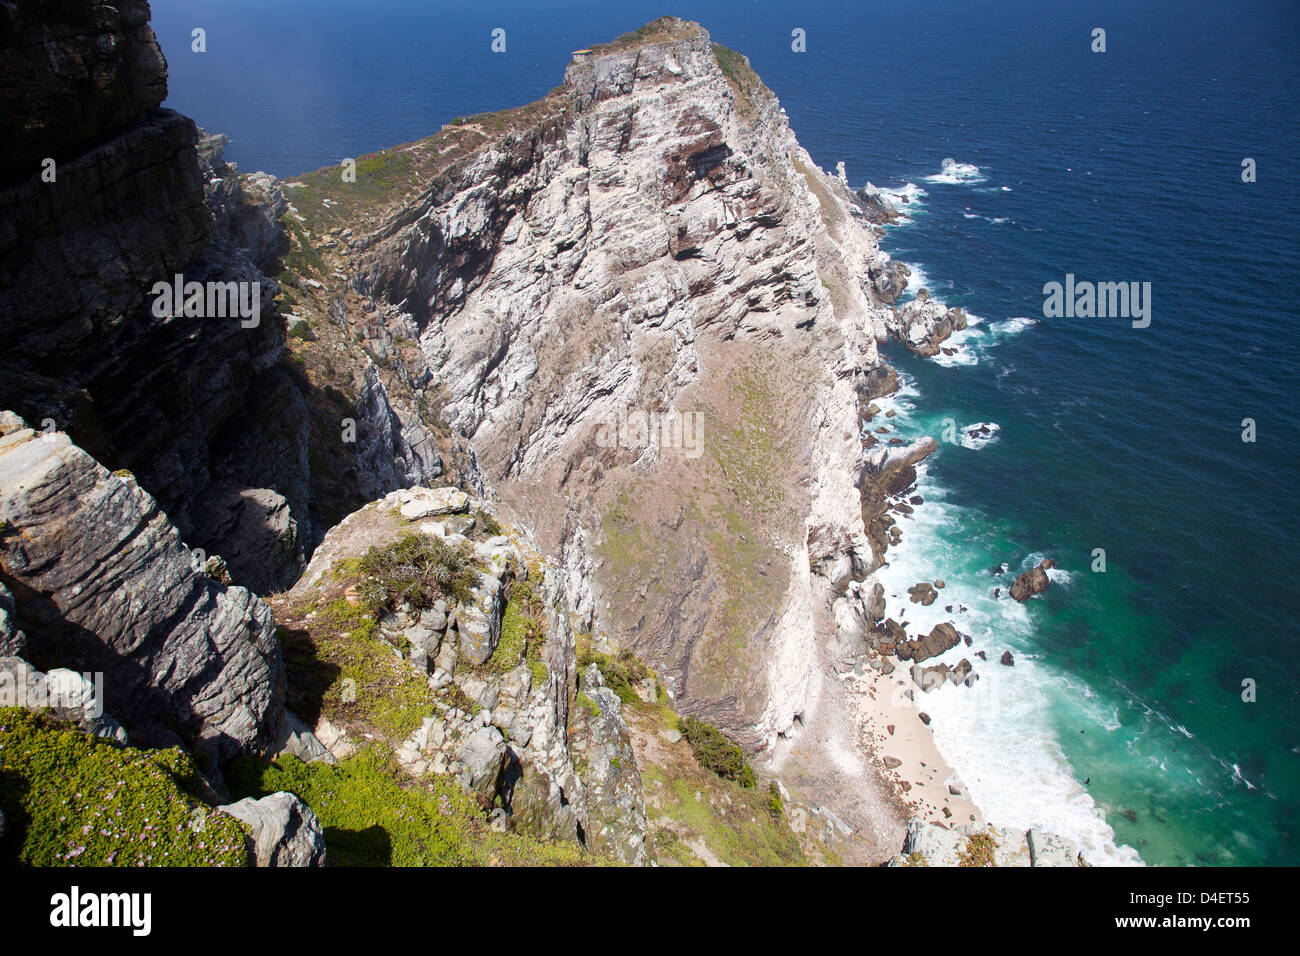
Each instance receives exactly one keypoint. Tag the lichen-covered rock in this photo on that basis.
(103, 583)
(972, 845)
(615, 803)
(283, 831)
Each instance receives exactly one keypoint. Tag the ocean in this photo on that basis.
(1153, 710)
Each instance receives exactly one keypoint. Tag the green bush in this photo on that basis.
(775, 805)
(418, 569)
(620, 672)
(72, 799)
(715, 751)
(978, 851)
(487, 523)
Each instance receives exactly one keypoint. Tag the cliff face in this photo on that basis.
(101, 582)
(649, 239)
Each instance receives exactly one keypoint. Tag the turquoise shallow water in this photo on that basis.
(1123, 166)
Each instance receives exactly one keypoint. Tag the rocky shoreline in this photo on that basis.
(427, 386)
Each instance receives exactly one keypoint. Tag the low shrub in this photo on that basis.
(717, 752)
(418, 569)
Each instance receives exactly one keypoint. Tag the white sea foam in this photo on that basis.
(964, 345)
(1014, 325)
(970, 436)
(997, 735)
(917, 280)
(907, 199)
(954, 173)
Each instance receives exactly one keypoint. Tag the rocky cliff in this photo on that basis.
(102, 195)
(102, 583)
(634, 320)
(649, 240)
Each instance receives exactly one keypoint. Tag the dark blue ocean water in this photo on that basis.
(1115, 166)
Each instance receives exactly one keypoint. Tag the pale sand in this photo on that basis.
(922, 780)
(835, 759)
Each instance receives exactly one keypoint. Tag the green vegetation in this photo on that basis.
(717, 752)
(663, 28)
(417, 569)
(324, 196)
(744, 82)
(302, 257)
(373, 815)
(72, 799)
(522, 633)
(341, 668)
(978, 850)
(722, 821)
(621, 672)
(775, 805)
(484, 521)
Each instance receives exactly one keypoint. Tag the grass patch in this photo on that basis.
(522, 633)
(373, 815)
(71, 799)
(621, 672)
(341, 669)
(731, 822)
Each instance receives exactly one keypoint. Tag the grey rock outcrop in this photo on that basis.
(615, 804)
(102, 583)
(67, 694)
(929, 844)
(923, 324)
(283, 831)
(503, 722)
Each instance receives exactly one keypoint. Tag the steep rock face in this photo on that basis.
(131, 202)
(101, 582)
(652, 239)
(72, 71)
(497, 673)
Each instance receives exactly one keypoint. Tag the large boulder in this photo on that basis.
(283, 831)
(480, 758)
(942, 638)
